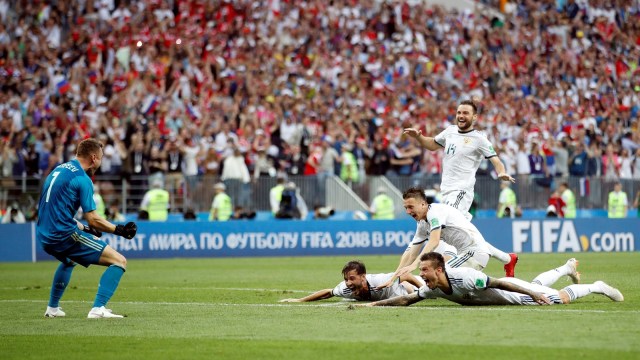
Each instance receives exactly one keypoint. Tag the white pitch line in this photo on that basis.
(346, 303)
(165, 288)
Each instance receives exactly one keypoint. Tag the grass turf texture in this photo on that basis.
(228, 308)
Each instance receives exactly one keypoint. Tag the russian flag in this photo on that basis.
(63, 86)
(584, 187)
(149, 104)
(193, 112)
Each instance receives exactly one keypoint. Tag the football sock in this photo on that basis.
(548, 278)
(577, 291)
(60, 281)
(108, 285)
(499, 254)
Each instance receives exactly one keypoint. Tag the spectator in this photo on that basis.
(349, 171)
(507, 200)
(562, 157)
(578, 161)
(292, 205)
(558, 204)
(569, 200)
(221, 207)
(13, 215)
(617, 203)
(113, 213)
(275, 194)
(156, 202)
(97, 198)
(382, 207)
(235, 172)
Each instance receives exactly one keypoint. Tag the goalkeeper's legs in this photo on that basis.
(109, 281)
(60, 281)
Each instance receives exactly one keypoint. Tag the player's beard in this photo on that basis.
(466, 126)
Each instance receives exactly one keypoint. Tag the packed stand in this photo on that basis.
(248, 89)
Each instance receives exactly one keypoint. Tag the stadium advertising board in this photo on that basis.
(299, 238)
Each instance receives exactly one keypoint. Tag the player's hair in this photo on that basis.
(472, 104)
(88, 147)
(434, 257)
(414, 192)
(356, 265)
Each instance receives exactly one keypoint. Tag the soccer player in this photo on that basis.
(435, 222)
(358, 285)
(66, 188)
(467, 286)
(464, 147)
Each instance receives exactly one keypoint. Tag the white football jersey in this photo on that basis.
(374, 280)
(470, 287)
(456, 230)
(463, 153)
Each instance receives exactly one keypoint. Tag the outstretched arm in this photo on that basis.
(412, 279)
(404, 300)
(500, 169)
(509, 286)
(318, 295)
(428, 143)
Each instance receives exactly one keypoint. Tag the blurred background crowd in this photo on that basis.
(182, 90)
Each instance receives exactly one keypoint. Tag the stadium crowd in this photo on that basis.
(181, 88)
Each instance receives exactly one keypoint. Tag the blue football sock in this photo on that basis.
(60, 282)
(108, 285)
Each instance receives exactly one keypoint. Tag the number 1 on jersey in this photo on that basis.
(55, 175)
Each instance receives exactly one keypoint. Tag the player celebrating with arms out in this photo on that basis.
(67, 188)
(464, 147)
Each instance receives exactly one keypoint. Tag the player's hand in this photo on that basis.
(541, 299)
(388, 283)
(414, 133)
(127, 231)
(506, 177)
(92, 231)
(289, 300)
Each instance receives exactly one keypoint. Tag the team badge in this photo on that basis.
(467, 140)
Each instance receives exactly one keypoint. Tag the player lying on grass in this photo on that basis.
(359, 285)
(467, 286)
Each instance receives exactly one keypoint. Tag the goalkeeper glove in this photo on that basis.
(127, 231)
(92, 231)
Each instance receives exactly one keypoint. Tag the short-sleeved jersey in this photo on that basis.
(66, 189)
(463, 153)
(373, 280)
(456, 230)
(470, 287)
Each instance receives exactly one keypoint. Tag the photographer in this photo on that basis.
(13, 215)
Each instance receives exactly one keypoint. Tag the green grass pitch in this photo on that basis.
(228, 309)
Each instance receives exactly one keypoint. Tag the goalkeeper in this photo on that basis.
(66, 188)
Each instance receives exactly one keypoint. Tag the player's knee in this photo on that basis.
(121, 261)
(564, 297)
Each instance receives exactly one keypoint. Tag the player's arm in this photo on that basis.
(412, 279)
(318, 295)
(500, 169)
(434, 241)
(426, 142)
(404, 300)
(509, 286)
(96, 222)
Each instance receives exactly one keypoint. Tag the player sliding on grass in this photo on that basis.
(68, 187)
(464, 148)
(436, 222)
(471, 287)
(358, 285)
